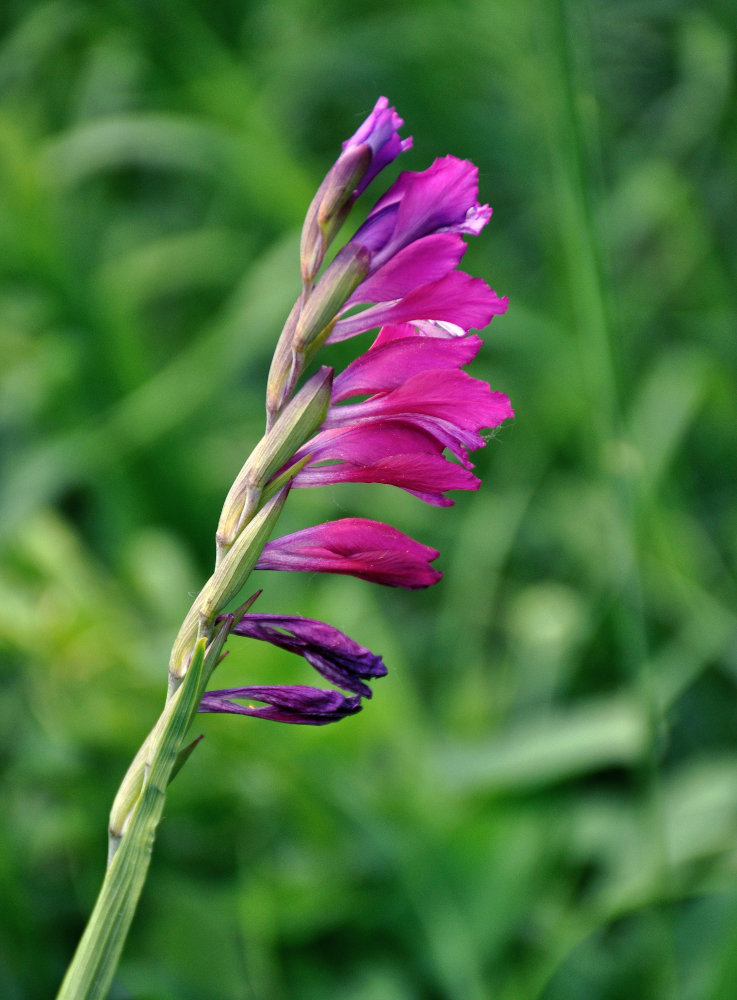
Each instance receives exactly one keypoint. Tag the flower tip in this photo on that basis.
(477, 217)
(501, 305)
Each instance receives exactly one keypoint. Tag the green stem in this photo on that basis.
(91, 972)
(139, 804)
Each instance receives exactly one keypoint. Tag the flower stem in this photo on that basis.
(92, 969)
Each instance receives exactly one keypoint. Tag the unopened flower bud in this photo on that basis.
(299, 420)
(282, 379)
(374, 145)
(341, 278)
(330, 207)
(229, 576)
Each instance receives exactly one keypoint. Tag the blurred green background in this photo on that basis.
(540, 803)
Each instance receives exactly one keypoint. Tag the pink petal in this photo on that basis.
(477, 217)
(424, 260)
(368, 441)
(457, 298)
(449, 405)
(388, 365)
(442, 198)
(426, 476)
(396, 331)
(452, 396)
(420, 328)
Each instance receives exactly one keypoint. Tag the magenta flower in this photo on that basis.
(284, 703)
(441, 199)
(340, 659)
(413, 235)
(399, 438)
(355, 546)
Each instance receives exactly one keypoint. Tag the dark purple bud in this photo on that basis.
(305, 706)
(336, 656)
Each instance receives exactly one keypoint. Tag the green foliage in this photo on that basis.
(541, 801)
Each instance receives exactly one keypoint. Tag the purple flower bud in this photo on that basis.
(374, 145)
(296, 703)
(380, 133)
(336, 656)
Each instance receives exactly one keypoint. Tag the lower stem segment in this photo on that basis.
(92, 969)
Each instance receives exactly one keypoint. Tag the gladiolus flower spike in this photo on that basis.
(404, 413)
(395, 414)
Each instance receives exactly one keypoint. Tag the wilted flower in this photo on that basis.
(340, 659)
(284, 703)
